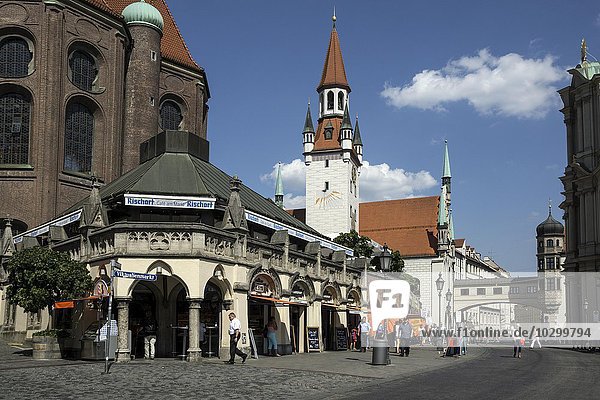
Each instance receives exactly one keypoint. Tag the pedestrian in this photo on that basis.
(534, 340)
(354, 338)
(365, 329)
(149, 332)
(397, 335)
(235, 327)
(406, 333)
(518, 342)
(272, 336)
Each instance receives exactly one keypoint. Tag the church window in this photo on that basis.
(79, 134)
(328, 133)
(170, 115)
(15, 112)
(557, 243)
(541, 263)
(83, 70)
(326, 163)
(321, 103)
(550, 284)
(550, 263)
(330, 100)
(341, 101)
(549, 243)
(15, 57)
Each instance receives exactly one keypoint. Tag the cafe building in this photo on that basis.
(192, 245)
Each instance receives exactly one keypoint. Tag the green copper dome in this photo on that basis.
(144, 13)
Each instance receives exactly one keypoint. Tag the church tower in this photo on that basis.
(333, 154)
(445, 225)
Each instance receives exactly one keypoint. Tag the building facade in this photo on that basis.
(332, 153)
(82, 84)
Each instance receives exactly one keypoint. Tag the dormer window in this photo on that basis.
(328, 133)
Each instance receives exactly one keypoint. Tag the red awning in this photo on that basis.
(71, 303)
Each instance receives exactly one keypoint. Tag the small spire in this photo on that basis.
(442, 212)
(446, 173)
(346, 124)
(583, 51)
(357, 141)
(279, 187)
(308, 123)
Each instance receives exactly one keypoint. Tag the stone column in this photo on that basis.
(123, 350)
(194, 352)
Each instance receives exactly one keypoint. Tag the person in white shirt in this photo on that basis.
(364, 328)
(235, 327)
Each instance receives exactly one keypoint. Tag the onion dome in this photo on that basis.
(143, 13)
(550, 226)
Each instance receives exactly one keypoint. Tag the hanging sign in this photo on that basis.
(149, 200)
(117, 273)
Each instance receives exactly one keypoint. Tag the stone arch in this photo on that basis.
(158, 267)
(306, 283)
(23, 33)
(332, 290)
(354, 297)
(269, 276)
(219, 279)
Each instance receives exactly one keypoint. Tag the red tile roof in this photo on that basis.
(459, 242)
(172, 45)
(328, 144)
(407, 225)
(334, 73)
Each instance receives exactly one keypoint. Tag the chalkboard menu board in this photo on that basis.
(341, 339)
(312, 337)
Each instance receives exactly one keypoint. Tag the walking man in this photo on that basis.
(406, 334)
(235, 327)
(534, 340)
(149, 331)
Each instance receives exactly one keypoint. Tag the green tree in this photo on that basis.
(360, 244)
(39, 276)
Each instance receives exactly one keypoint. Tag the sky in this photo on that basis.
(482, 75)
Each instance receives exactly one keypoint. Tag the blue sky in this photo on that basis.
(482, 75)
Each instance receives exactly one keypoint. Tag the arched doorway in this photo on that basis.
(210, 319)
(261, 307)
(163, 301)
(300, 296)
(353, 309)
(329, 317)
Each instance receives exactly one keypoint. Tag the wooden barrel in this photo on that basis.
(46, 348)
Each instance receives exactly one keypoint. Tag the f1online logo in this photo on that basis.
(389, 299)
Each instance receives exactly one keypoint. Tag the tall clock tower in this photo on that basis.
(332, 153)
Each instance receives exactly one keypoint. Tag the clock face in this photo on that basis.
(328, 200)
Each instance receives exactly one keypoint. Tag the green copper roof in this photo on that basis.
(308, 123)
(346, 124)
(442, 212)
(446, 173)
(588, 69)
(357, 139)
(279, 182)
(185, 175)
(141, 12)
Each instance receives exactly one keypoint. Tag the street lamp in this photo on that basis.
(385, 259)
(439, 283)
(114, 265)
(381, 348)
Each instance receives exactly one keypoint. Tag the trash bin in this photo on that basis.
(381, 352)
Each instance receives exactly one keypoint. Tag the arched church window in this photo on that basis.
(170, 115)
(79, 135)
(330, 100)
(321, 104)
(15, 57)
(83, 70)
(15, 112)
(341, 101)
(557, 243)
(549, 243)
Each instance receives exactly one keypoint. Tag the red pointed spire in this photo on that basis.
(334, 73)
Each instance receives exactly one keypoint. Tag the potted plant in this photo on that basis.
(37, 278)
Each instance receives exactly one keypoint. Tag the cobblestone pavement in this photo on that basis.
(290, 377)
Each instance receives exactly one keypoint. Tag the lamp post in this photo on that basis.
(449, 307)
(381, 349)
(114, 265)
(439, 283)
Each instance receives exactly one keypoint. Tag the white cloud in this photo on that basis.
(380, 182)
(509, 85)
(377, 182)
